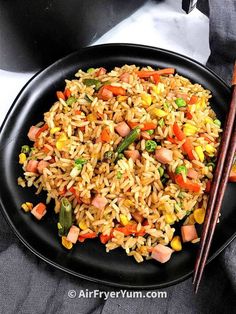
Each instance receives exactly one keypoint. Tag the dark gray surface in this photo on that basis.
(222, 37)
(29, 285)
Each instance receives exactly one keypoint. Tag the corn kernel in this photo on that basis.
(63, 137)
(170, 219)
(147, 99)
(60, 145)
(91, 117)
(67, 244)
(199, 151)
(208, 120)
(191, 220)
(124, 220)
(143, 250)
(159, 113)
(128, 203)
(199, 215)
(55, 130)
(22, 158)
(27, 206)
(121, 98)
(210, 150)
(83, 225)
(189, 129)
(159, 88)
(61, 142)
(201, 104)
(176, 243)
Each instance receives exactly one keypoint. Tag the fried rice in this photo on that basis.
(144, 197)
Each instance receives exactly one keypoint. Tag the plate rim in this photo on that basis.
(55, 264)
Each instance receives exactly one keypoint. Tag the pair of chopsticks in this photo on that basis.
(219, 183)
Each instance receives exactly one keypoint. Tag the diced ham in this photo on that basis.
(161, 253)
(122, 128)
(188, 233)
(39, 211)
(104, 93)
(41, 165)
(73, 234)
(101, 71)
(32, 133)
(170, 95)
(192, 174)
(32, 166)
(137, 216)
(99, 202)
(164, 155)
(145, 135)
(125, 77)
(133, 154)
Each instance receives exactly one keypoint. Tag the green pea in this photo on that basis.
(70, 101)
(79, 163)
(150, 146)
(109, 155)
(181, 169)
(90, 70)
(150, 132)
(180, 102)
(217, 122)
(119, 175)
(79, 167)
(25, 149)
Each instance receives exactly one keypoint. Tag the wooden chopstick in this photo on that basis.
(225, 159)
(219, 199)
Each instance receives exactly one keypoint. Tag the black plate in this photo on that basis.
(89, 260)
